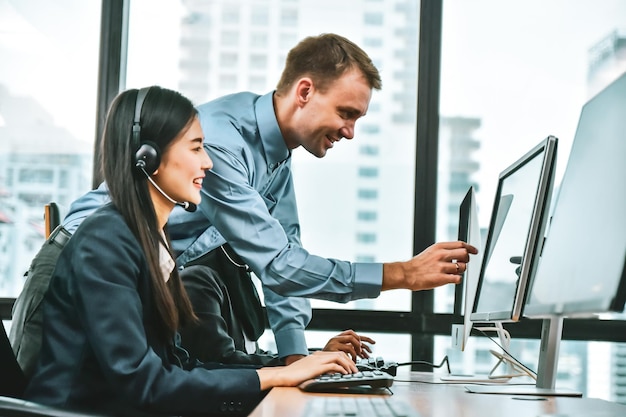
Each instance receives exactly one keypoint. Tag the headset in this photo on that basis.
(148, 154)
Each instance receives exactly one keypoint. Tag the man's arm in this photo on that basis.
(84, 206)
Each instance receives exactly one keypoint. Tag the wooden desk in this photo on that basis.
(451, 400)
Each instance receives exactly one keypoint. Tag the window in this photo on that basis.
(373, 19)
(370, 128)
(367, 216)
(34, 176)
(230, 38)
(372, 42)
(229, 59)
(289, 17)
(372, 150)
(378, 134)
(258, 61)
(260, 16)
(259, 40)
(368, 172)
(367, 194)
(366, 237)
(46, 128)
(505, 89)
(230, 14)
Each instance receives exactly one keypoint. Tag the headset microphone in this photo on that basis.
(187, 205)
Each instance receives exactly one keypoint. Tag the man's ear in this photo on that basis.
(304, 90)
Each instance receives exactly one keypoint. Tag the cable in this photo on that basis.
(506, 357)
(444, 361)
(392, 367)
(244, 266)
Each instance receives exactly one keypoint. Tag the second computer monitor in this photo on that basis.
(583, 266)
(516, 231)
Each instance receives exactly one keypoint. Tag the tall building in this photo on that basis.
(607, 61)
(39, 162)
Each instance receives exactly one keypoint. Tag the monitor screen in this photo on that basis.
(516, 230)
(582, 267)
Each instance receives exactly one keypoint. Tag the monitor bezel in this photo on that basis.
(534, 237)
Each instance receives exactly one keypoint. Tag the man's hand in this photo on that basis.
(348, 341)
(439, 264)
(354, 345)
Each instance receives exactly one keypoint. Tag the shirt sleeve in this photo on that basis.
(243, 216)
(84, 206)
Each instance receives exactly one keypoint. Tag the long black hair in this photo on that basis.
(165, 114)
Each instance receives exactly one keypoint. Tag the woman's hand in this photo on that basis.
(350, 343)
(306, 368)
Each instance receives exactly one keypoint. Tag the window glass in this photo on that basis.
(513, 73)
(333, 190)
(392, 347)
(594, 368)
(48, 88)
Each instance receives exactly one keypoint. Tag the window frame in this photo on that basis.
(421, 323)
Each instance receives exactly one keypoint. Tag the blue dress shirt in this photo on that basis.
(248, 200)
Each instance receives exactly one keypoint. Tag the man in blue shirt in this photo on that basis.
(248, 214)
(248, 197)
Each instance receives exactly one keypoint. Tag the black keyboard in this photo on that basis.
(340, 382)
(359, 406)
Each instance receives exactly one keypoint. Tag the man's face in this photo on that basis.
(328, 116)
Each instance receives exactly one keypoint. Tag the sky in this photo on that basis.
(53, 59)
(521, 67)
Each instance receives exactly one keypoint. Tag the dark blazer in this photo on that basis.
(100, 350)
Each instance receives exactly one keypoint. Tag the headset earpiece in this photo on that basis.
(147, 156)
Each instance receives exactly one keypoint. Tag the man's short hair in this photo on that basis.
(325, 58)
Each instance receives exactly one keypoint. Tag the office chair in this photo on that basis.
(52, 217)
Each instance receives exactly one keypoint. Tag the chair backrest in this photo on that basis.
(13, 381)
(52, 217)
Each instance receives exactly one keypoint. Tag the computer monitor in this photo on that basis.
(469, 231)
(582, 268)
(515, 234)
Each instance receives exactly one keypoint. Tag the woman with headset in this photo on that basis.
(115, 300)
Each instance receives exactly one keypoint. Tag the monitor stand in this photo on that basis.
(512, 370)
(551, 332)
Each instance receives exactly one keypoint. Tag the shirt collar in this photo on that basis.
(166, 262)
(273, 142)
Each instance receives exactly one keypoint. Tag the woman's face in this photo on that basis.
(182, 167)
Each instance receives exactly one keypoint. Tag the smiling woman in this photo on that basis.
(98, 359)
